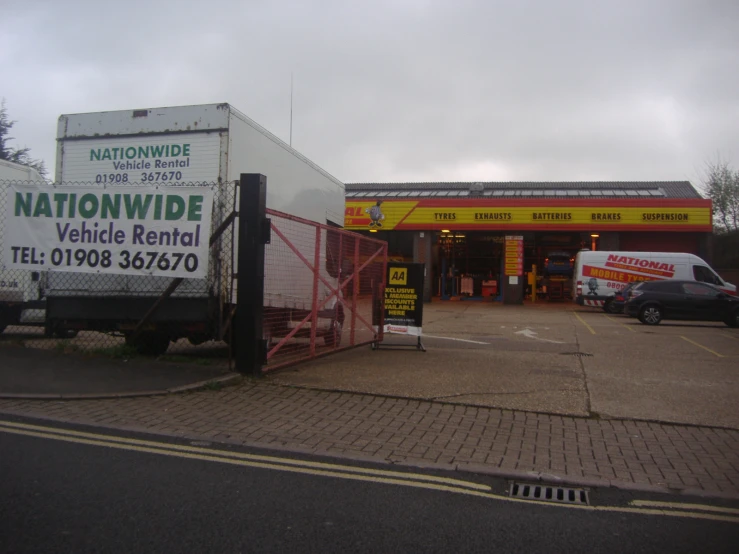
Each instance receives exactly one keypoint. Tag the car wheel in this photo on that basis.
(650, 315)
(610, 307)
(733, 320)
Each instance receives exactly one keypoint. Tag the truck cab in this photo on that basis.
(22, 292)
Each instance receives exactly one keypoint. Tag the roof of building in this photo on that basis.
(527, 189)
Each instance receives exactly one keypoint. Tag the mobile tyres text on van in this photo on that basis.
(598, 275)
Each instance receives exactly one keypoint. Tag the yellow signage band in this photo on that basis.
(400, 215)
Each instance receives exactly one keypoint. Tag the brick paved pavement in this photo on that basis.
(629, 454)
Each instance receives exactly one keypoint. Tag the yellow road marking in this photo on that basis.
(703, 347)
(683, 506)
(727, 335)
(244, 456)
(346, 473)
(622, 324)
(592, 331)
(234, 461)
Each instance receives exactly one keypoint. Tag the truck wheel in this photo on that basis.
(149, 343)
(333, 337)
(733, 320)
(610, 308)
(650, 315)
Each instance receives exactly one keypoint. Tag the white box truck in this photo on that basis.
(21, 291)
(598, 275)
(200, 144)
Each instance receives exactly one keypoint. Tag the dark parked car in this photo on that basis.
(616, 304)
(653, 301)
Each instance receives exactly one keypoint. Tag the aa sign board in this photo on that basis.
(129, 230)
(403, 302)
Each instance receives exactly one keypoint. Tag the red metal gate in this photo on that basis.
(321, 285)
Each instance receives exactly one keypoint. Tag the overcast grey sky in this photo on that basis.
(404, 90)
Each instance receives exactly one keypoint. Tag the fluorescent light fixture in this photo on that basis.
(445, 231)
(594, 235)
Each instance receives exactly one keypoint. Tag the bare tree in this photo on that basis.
(15, 155)
(722, 187)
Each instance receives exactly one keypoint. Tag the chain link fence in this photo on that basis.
(70, 302)
(322, 284)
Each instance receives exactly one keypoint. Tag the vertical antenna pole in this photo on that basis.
(291, 108)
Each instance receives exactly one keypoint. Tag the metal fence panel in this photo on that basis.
(321, 285)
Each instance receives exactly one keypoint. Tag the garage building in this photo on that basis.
(459, 230)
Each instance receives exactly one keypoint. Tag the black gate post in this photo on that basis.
(253, 234)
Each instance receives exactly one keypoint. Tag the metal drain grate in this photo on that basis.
(548, 493)
(580, 354)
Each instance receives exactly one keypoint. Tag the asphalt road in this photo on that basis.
(109, 493)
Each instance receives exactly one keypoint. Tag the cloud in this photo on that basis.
(403, 91)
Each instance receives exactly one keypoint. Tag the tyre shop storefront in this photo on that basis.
(459, 230)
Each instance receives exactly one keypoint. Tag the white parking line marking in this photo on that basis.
(452, 338)
(531, 334)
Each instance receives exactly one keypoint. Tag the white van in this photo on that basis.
(21, 291)
(598, 275)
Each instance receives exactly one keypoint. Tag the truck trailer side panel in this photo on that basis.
(295, 185)
(92, 159)
(191, 144)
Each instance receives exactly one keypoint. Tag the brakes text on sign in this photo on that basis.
(145, 230)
